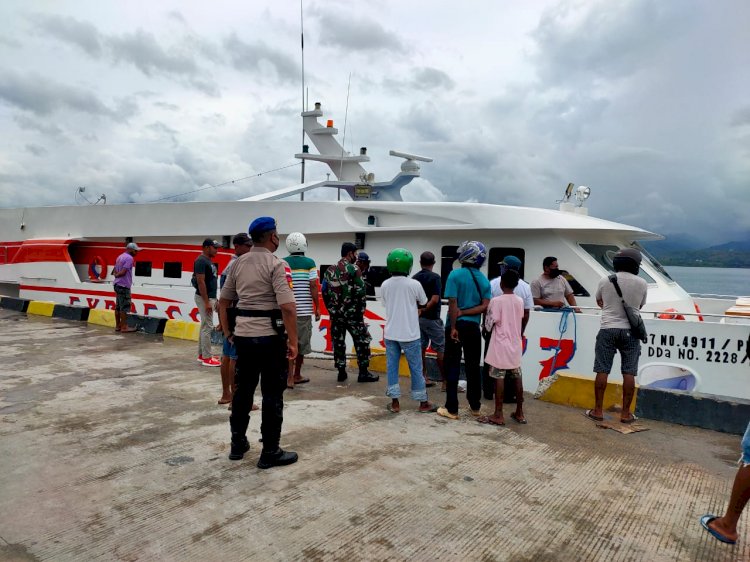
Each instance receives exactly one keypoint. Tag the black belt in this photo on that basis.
(274, 314)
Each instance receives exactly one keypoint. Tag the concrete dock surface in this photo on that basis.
(113, 447)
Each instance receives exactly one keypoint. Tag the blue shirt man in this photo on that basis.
(468, 292)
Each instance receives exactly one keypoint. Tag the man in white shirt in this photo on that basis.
(401, 295)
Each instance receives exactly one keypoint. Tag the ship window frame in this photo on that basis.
(143, 269)
(169, 270)
(495, 255)
(604, 259)
(448, 257)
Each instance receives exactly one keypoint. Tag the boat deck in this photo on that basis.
(113, 448)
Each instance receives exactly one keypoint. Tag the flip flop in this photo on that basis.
(632, 419)
(391, 409)
(302, 381)
(705, 520)
(488, 421)
(224, 402)
(430, 384)
(430, 410)
(589, 414)
(517, 419)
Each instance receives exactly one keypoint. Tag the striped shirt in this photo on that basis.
(303, 271)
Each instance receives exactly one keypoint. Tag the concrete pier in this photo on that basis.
(112, 447)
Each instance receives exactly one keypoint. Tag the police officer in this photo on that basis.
(344, 296)
(266, 339)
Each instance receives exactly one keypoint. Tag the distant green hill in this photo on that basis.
(730, 254)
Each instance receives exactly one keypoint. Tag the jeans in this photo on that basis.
(470, 342)
(413, 352)
(207, 326)
(264, 359)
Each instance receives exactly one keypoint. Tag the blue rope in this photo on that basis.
(563, 327)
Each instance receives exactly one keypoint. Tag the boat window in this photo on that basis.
(652, 260)
(603, 254)
(496, 255)
(447, 264)
(173, 269)
(578, 289)
(143, 269)
(377, 274)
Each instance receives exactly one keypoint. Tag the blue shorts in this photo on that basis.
(229, 350)
(745, 458)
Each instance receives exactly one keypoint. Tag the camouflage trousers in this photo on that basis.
(355, 325)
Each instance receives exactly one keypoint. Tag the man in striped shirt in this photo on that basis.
(305, 285)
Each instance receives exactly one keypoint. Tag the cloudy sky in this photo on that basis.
(645, 101)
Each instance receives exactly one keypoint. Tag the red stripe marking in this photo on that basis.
(92, 292)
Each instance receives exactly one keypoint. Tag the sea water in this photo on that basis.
(712, 280)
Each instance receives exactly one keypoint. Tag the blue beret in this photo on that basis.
(261, 225)
(362, 256)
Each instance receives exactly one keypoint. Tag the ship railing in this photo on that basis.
(38, 278)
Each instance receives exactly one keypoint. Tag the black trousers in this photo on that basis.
(471, 344)
(260, 359)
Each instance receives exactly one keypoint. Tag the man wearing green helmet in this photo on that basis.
(401, 295)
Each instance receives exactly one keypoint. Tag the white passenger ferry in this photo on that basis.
(64, 254)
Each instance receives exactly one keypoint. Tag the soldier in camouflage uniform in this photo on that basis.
(344, 296)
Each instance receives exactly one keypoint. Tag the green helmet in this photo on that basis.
(399, 260)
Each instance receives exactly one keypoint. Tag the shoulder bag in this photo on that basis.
(633, 314)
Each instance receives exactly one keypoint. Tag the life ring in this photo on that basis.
(671, 314)
(98, 269)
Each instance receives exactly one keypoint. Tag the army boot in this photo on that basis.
(240, 446)
(342, 374)
(367, 376)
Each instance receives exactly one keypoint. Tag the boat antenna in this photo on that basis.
(346, 117)
(302, 52)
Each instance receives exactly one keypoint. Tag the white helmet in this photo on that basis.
(296, 243)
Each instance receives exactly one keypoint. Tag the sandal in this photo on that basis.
(430, 408)
(590, 415)
(517, 419)
(631, 419)
(446, 414)
(393, 410)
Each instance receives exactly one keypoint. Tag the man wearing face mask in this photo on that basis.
(344, 296)
(551, 290)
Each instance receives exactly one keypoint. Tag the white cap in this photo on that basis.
(133, 246)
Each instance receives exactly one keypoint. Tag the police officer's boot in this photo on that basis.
(342, 374)
(280, 457)
(240, 446)
(367, 376)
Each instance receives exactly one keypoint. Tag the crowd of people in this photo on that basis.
(266, 306)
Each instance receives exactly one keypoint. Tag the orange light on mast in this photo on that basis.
(329, 123)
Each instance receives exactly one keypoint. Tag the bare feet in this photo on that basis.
(225, 400)
(128, 330)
